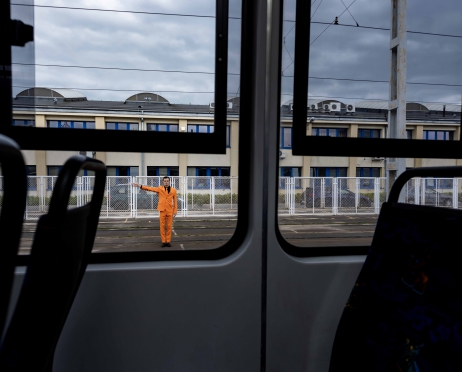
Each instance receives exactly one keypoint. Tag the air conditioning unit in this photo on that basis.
(326, 107)
(313, 107)
(377, 158)
(291, 107)
(229, 105)
(350, 108)
(335, 107)
(282, 154)
(88, 154)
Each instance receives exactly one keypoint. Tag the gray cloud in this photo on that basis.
(86, 38)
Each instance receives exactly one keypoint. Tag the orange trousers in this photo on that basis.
(165, 219)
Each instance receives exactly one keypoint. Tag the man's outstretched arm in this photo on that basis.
(147, 188)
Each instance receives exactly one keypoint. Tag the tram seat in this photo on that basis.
(13, 185)
(405, 310)
(60, 251)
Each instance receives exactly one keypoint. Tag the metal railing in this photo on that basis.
(218, 196)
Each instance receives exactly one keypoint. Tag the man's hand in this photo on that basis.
(135, 184)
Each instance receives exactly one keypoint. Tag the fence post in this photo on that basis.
(212, 194)
(335, 196)
(455, 199)
(376, 195)
(356, 194)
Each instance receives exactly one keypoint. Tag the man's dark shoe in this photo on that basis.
(164, 245)
(167, 245)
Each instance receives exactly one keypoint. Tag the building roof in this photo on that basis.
(66, 94)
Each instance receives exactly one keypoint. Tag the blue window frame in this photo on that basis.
(31, 170)
(23, 123)
(330, 132)
(206, 172)
(162, 127)
(123, 171)
(71, 124)
(440, 135)
(290, 172)
(163, 171)
(286, 138)
(369, 133)
(367, 172)
(54, 170)
(200, 128)
(122, 126)
(327, 172)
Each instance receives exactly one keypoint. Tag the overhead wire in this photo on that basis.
(213, 16)
(230, 73)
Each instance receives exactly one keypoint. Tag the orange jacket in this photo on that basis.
(168, 202)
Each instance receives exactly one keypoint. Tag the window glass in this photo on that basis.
(53, 170)
(120, 94)
(286, 137)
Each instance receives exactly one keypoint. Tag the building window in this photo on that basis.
(286, 138)
(123, 171)
(368, 174)
(163, 171)
(162, 127)
(409, 133)
(328, 172)
(200, 128)
(290, 172)
(228, 136)
(369, 133)
(71, 124)
(202, 176)
(440, 135)
(330, 132)
(23, 123)
(122, 126)
(31, 171)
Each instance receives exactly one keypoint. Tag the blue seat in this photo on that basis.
(62, 245)
(13, 204)
(405, 310)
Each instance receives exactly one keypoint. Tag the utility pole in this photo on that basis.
(397, 94)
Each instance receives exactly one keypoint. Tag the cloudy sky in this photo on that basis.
(125, 45)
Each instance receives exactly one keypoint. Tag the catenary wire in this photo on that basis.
(212, 73)
(212, 16)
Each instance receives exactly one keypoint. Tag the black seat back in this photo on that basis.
(405, 310)
(59, 256)
(13, 203)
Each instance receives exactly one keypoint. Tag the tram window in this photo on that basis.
(164, 91)
(336, 198)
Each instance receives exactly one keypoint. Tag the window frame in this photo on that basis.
(281, 142)
(72, 124)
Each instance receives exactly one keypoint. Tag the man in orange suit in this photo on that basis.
(167, 207)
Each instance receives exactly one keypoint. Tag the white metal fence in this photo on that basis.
(357, 195)
(218, 196)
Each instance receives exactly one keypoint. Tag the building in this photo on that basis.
(66, 108)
